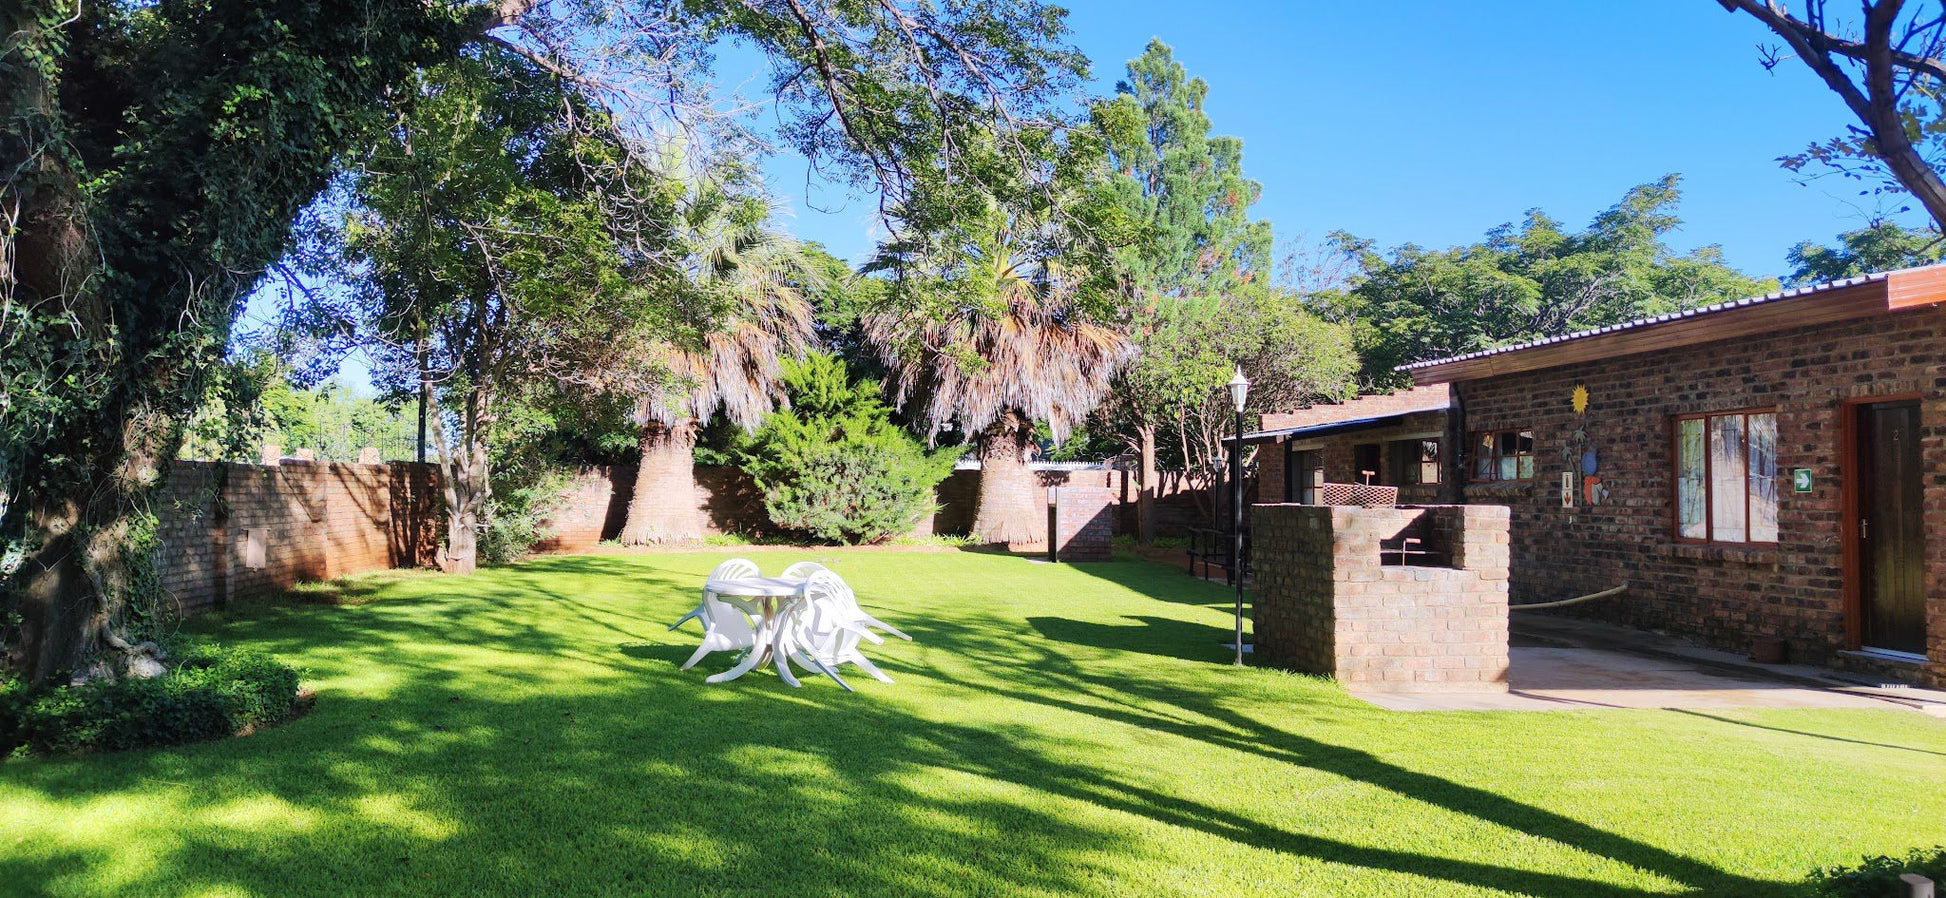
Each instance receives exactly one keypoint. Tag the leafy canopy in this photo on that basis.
(1528, 282)
(1883, 246)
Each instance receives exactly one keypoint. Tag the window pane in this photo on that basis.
(1729, 455)
(1508, 469)
(1526, 443)
(1483, 444)
(1526, 467)
(1763, 478)
(1483, 467)
(1506, 443)
(1428, 450)
(1690, 493)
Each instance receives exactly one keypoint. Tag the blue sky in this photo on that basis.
(1430, 122)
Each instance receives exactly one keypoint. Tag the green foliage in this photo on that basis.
(1200, 276)
(1525, 283)
(208, 693)
(259, 402)
(833, 466)
(1884, 246)
(1878, 877)
(1185, 186)
(525, 496)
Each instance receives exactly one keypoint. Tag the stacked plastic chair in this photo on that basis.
(821, 628)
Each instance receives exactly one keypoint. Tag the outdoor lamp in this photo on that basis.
(1239, 389)
(1239, 393)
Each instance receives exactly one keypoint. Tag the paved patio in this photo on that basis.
(1559, 664)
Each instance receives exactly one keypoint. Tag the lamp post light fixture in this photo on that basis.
(1239, 393)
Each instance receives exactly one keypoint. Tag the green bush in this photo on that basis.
(851, 492)
(833, 467)
(525, 494)
(208, 693)
(1878, 877)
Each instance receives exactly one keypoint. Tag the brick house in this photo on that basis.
(1769, 468)
(1395, 439)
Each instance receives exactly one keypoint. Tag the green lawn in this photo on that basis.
(1053, 731)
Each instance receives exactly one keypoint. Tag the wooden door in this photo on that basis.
(1301, 476)
(1890, 528)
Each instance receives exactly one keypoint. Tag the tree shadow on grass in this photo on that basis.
(579, 769)
(1149, 634)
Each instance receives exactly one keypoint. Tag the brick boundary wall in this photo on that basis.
(595, 503)
(1325, 604)
(231, 531)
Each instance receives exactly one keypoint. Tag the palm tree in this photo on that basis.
(751, 282)
(1014, 349)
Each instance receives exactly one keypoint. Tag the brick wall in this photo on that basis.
(233, 530)
(1325, 603)
(1336, 454)
(1726, 594)
(1414, 399)
(1083, 522)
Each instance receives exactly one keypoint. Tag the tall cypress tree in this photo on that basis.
(1199, 276)
(1186, 185)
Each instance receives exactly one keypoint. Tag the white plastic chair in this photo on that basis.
(849, 600)
(802, 570)
(733, 569)
(824, 632)
(725, 629)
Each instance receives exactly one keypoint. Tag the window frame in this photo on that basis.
(1533, 452)
(1709, 476)
(1302, 490)
(1405, 456)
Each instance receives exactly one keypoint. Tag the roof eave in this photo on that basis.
(1895, 291)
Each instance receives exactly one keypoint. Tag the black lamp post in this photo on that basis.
(1239, 393)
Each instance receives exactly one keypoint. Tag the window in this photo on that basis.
(1726, 477)
(1413, 462)
(1503, 455)
(1303, 472)
(1365, 463)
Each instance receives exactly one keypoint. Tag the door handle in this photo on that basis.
(1864, 529)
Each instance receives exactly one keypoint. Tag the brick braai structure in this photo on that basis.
(1326, 602)
(1604, 410)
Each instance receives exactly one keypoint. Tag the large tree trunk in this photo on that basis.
(1145, 495)
(1009, 491)
(467, 487)
(665, 507)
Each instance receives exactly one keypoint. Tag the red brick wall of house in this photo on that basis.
(1725, 595)
(1336, 454)
(1376, 405)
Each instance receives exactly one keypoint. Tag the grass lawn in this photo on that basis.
(1053, 731)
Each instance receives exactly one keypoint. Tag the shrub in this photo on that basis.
(525, 496)
(208, 693)
(833, 467)
(851, 492)
(1878, 877)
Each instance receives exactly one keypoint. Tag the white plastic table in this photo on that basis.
(773, 637)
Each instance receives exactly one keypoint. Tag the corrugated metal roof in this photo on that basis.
(1661, 319)
(1320, 429)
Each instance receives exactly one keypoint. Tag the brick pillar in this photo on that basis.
(1084, 524)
